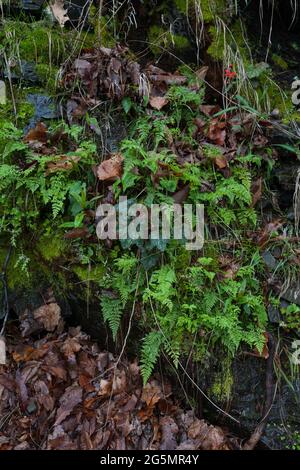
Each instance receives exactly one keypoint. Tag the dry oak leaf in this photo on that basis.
(151, 393)
(70, 346)
(158, 102)
(216, 132)
(48, 316)
(71, 398)
(111, 169)
(61, 163)
(59, 12)
(221, 162)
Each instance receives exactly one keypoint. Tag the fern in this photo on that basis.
(150, 353)
(112, 310)
(161, 286)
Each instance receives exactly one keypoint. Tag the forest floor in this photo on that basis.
(61, 391)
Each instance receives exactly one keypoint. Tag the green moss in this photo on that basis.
(18, 276)
(182, 5)
(222, 386)
(47, 75)
(34, 42)
(212, 8)
(280, 62)
(161, 39)
(51, 247)
(101, 29)
(94, 274)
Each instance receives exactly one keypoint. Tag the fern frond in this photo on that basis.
(112, 310)
(150, 353)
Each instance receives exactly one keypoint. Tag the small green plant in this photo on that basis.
(291, 316)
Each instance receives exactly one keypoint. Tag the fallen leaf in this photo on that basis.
(59, 12)
(48, 316)
(216, 132)
(85, 383)
(202, 72)
(77, 233)
(220, 162)
(180, 196)
(209, 110)
(70, 346)
(62, 163)
(169, 430)
(151, 393)
(71, 398)
(111, 169)
(38, 134)
(158, 102)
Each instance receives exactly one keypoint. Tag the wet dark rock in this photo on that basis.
(248, 399)
(32, 5)
(45, 108)
(292, 295)
(269, 260)
(274, 314)
(286, 175)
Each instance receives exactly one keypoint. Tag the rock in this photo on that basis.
(274, 314)
(275, 114)
(286, 175)
(2, 92)
(269, 260)
(248, 398)
(45, 108)
(292, 295)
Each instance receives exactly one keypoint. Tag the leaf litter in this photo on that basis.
(61, 391)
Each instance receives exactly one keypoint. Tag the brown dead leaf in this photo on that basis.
(70, 346)
(214, 439)
(24, 353)
(221, 162)
(62, 163)
(151, 393)
(216, 132)
(169, 430)
(79, 232)
(83, 67)
(111, 169)
(180, 196)
(48, 316)
(71, 398)
(202, 72)
(38, 134)
(209, 110)
(158, 102)
(85, 383)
